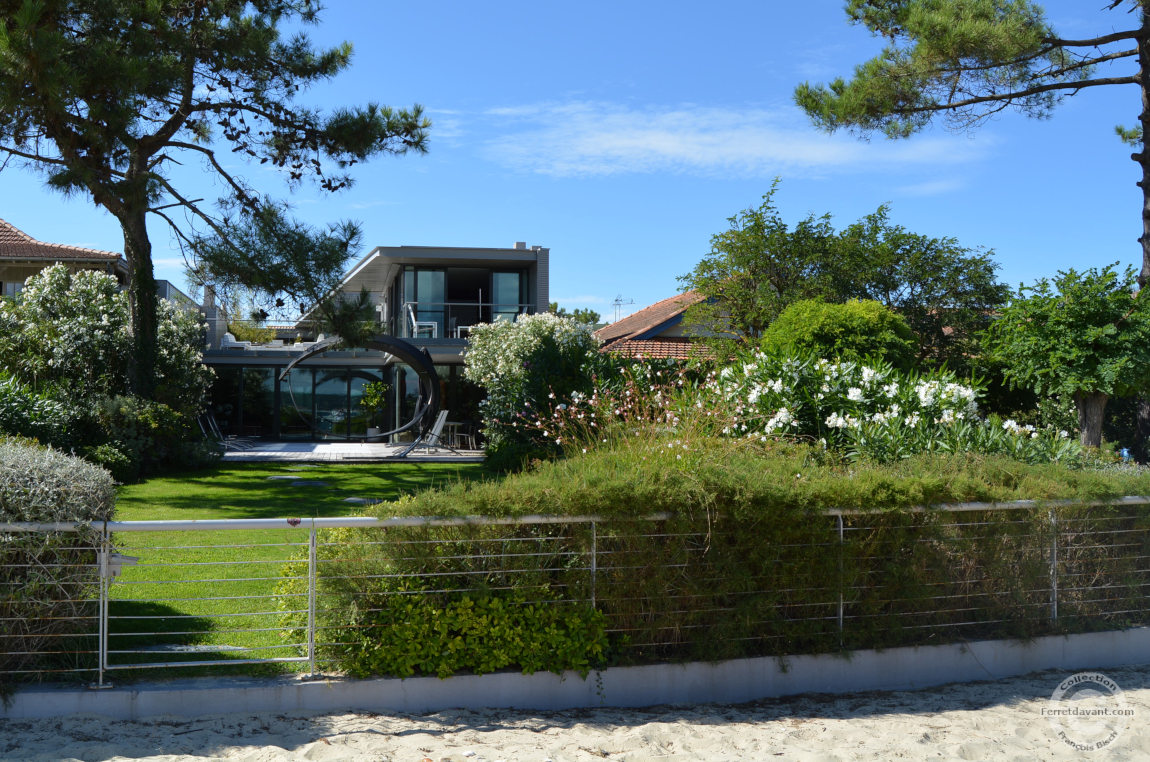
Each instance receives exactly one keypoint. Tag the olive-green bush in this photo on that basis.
(48, 580)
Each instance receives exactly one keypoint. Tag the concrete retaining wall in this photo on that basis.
(725, 682)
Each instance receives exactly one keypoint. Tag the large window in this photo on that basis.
(424, 297)
(506, 295)
(310, 403)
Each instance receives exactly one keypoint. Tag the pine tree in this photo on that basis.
(106, 97)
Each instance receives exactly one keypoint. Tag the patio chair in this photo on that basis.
(421, 325)
(211, 431)
(431, 439)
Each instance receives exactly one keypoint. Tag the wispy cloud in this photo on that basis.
(594, 139)
(931, 187)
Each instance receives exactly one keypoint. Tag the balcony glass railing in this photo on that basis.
(453, 320)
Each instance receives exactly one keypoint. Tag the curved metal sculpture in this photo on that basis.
(426, 406)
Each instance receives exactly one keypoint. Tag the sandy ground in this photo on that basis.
(1001, 720)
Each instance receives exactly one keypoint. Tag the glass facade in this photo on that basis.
(324, 403)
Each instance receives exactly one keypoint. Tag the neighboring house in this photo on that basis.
(653, 332)
(22, 256)
(429, 295)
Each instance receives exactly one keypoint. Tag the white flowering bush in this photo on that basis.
(522, 366)
(65, 348)
(27, 414)
(854, 409)
(869, 410)
(69, 331)
(182, 379)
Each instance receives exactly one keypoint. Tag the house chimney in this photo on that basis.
(522, 245)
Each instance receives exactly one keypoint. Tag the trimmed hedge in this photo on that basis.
(747, 564)
(47, 581)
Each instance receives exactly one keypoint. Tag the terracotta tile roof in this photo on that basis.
(677, 347)
(16, 244)
(647, 318)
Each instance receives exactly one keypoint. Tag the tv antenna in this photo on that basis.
(620, 302)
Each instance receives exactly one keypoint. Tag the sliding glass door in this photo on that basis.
(424, 295)
(506, 295)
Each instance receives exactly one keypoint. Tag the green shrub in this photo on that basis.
(241, 331)
(48, 581)
(391, 625)
(122, 468)
(854, 331)
(149, 435)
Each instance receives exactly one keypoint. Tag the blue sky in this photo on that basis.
(622, 135)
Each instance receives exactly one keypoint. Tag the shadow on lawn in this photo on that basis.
(144, 632)
(247, 492)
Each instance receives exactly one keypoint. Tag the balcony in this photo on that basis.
(451, 320)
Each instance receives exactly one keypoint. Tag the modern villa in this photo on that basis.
(430, 296)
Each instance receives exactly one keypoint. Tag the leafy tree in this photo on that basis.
(1084, 335)
(580, 315)
(857, 330)
(758, 267)
(761, 266)
(107, 97)
(967, 60)
(944, 291)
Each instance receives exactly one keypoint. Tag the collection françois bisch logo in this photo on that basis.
(1088, 711)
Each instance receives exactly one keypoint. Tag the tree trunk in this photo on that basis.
(1143, 157)
(142, 300)
(1091, 407)
(1142, 429)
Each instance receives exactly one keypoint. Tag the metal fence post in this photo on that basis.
(841, 584)
(311, 580)
(594, 561)
(1053, 567)
(102, 559)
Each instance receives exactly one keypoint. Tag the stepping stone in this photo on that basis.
(302, 483)
(361, 500)
(281, 477)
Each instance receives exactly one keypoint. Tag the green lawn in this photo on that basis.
(244, 491)
(203, 597)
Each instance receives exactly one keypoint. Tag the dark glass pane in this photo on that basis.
(225, 405)
(360, 417)
(259, 402)
(331, 413)
(505, 295)
(296, 405)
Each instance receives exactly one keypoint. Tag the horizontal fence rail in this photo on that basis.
(84, 601)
